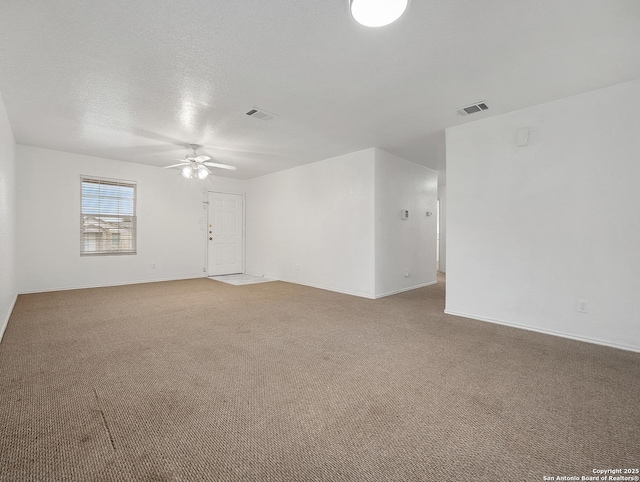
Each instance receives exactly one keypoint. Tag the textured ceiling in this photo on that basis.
(133, 80)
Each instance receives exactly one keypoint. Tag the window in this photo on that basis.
(107, 217)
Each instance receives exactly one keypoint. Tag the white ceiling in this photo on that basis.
(131, 80)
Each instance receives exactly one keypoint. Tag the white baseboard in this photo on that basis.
(6, 318)
(335, 290)
(119, 283)
(544, 331)
(415, 287)
(347, 292)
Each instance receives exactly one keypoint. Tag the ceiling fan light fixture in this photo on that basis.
(197, 167)
(187, 171)
(202, 172)
(377, 13)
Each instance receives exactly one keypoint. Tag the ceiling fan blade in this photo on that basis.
(176, 165)
(202, 158)
(221, 166)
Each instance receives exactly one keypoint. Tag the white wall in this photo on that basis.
(171, 222)
(7, 219)
(404, 246)
(314, 224)
(533, 229)
(442, 197)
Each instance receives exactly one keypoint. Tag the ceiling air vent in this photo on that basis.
(472, 109)
(261, 114)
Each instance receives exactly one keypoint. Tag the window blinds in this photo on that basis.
(107, 217)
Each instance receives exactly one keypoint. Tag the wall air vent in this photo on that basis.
(473, 108)
(261, 114)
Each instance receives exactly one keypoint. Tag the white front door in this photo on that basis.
(225, 234)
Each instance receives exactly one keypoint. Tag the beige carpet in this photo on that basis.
(199, 380)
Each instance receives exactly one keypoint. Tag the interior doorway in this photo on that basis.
(225, 234)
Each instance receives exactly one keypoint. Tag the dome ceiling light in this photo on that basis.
(377, 13)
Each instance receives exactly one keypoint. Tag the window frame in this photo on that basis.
(134, 218)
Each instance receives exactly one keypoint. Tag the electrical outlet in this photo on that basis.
(583, 305)
(407, 274)
(153, 266)
(204, 270)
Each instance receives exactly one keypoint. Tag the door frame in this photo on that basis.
(244, 228)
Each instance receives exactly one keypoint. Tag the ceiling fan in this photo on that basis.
(198, 166)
